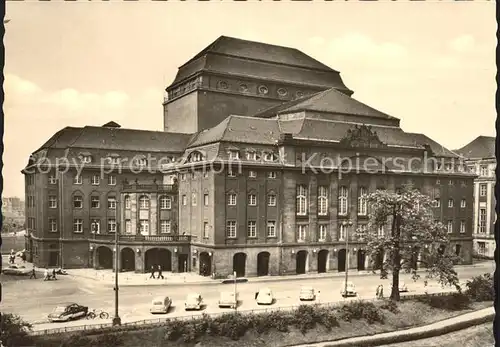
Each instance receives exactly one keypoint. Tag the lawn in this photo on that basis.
(477, 336)
(411, 314)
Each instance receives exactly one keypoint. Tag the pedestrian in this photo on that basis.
(33, 273)
(377, 293)
(318, 297)
(46, 275)
(54, 273)
(159, 273)
(381, 291)
(152, 272)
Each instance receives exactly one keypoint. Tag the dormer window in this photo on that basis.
(86, 159)
(52, 180)
(142, 162)
(196, 156)
(251, 155)
(448, 167)
(269, 156)
(234, 154)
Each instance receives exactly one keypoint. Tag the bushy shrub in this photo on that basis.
(77, 340)
(480, 288)
(15, 331)
(327, 318)
(391, 306)
(452, 302)
(109, 340)
(232, 325)
(305, 318)
(356, 310)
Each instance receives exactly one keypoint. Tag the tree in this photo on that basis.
(412, 231)
(15, 331)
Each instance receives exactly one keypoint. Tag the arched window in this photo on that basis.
(322, 201)
(165, 202)
(127, 202)
(144, 203)
(301, 200)
(343, 195)
(362, 202)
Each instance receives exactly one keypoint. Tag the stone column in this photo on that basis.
(333, 208)
(175, 261)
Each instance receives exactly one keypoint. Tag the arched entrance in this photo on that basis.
(341, 260)
(205, 264)
(458, 250)
(239, 264)
(104, 258)
(379, 260)
(128, 259)
(158, 256)
(263, 263)
(322, 261)
(301, 262)
(361, 259)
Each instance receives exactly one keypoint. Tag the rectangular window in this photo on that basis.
(450, 182)
(342, 232)
(128, 226)
(450, 226)
(95, 180)
(77, 202)
(95, 226)
(381, 231)
(343, 196)
(127, 202)
(271, 174)
(205, 230)
(144, 226)
(251, 155)
(230, 173)
(112, 180)
(165, 202)
(77, 180)
(484, 170)
(301, 200)
(183, 177)
(481, 247)
(301, 232)
(252, 200)
(231, 229)
(322, 232)
(482, 189)
(362, 202)
(252, 174)
(78, 225)
(231, 199)
(252, 229)
(94, 202)
(450, 202)
(234, 155)
(462, 226)
(194, 200)
(482, 220)
(463, 203)
(205, 199)
(271, 228)
(271, 200)
(111, 225)
(52, 225)
(184, 200)
(165, 226)
(111, 203)
(437, 202)
(52, 201)
(322, 201)
(52, 180)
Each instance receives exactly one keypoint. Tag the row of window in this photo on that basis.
(463, 183)
(451, 203)
(251, 229)
(231, 173)
(115, 160)
(165, 202)
(95, 226)
(302, 205)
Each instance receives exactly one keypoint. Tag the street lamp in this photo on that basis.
(116, 319)
(346, 224)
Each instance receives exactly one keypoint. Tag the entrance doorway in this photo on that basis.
(341, 260)
(128, 259)
(322, 260)
(104, 258)
(183, 262)
(53, 258)
(301, 262)
(361, 259)
(239, 264)
(158, 256)
(263, 263)
(205, 264)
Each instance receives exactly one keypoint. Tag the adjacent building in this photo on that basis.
(263, 169)
(480, 159)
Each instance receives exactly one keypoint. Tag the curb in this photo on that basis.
(407, 335)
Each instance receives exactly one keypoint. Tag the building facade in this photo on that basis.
(480, 160)
(269, 160)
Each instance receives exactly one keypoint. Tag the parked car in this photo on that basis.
(228, 299)
(402, 287)
(68, 311)
(307, 293)
(193, 302)
(264, 297)
(160, 304)
(17, 270)
(349, 290)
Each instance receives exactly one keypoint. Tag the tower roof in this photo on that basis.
(480, 147)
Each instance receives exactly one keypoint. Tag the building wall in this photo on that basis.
(181, 114)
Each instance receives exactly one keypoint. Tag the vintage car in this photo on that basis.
(402, 287)
(17, 270)
(228, 299)
(307, 293)
(68, 311)
(349, 290)
(160, 304)
(264, 297)
(194, 301)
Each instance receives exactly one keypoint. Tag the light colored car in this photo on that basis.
(228, 299)
(193, 302)
(307, 293)
(402, 287)
(349, 290)
(68, 311)
(160, 304)
(17, 270)
(265, 297)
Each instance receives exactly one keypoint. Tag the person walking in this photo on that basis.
(33, 273)
(159, 273)
(152, 272)
(377, 292)
(54, 274)
(381, 292)
(46, 276)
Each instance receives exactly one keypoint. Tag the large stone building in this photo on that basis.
(269, 160)
(480, 159)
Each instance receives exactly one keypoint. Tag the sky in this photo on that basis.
(431, 64)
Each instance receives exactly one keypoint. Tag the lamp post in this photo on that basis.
(346, 224)
(116, 319)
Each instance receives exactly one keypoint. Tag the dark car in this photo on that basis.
(68, 311)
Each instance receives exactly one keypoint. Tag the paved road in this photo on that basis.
(34, 299)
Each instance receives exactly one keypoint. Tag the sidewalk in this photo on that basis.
(436, 329)
(129, 279)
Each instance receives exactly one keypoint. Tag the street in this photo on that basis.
(34, 299)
